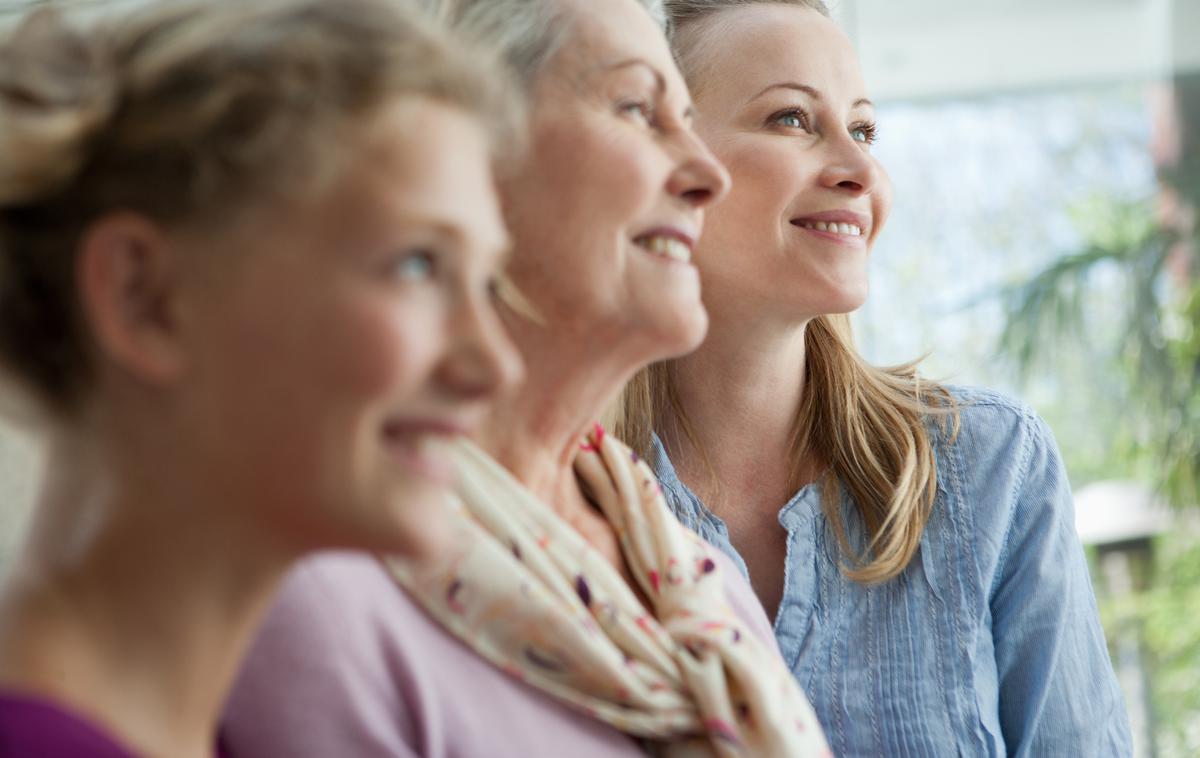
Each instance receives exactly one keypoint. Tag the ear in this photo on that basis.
(126, 272)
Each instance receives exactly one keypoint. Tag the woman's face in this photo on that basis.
(781, 101)
(354, 336)
(609, 204)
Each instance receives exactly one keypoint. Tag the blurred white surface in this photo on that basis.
(919, 49)
(19, 467)
(1117, 511)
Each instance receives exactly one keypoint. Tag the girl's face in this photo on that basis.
(607, 209)
(781, 101)
(354, 336)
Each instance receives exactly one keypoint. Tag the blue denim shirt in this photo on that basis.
(989, 642)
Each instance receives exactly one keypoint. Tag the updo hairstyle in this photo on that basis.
(190, 114)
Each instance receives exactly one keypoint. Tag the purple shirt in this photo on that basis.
(348, 665)
(34, 728)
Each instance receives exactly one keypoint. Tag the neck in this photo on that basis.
(741, 391)
(570, 382)
(133, 602)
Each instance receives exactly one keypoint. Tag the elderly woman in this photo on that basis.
(573, 614)
(239, 344)
(915, 543)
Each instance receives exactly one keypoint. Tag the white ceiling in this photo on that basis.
(918, 49)
(938, 48)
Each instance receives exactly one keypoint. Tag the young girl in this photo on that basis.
(246, 251)
(914, 543)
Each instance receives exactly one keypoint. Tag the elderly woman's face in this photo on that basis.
(606, 211)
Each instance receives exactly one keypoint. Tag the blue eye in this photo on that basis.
(864, 133)
(640, 109)
(414, 265)
(792, 118)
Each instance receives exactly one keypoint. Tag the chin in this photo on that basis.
(843, 307)
(413, 523)
(425, 540)
(681, 330)
(841, 298)
(853, 300)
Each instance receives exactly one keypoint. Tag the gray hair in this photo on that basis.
(526, 33)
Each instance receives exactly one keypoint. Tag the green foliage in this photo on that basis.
(1167, 614)
(1113, 301)
(1181, 434)
(1128, 303)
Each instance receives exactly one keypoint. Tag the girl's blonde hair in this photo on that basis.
(188, 113)
(868, 424)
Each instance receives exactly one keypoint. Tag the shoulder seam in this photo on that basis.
(1027, 446)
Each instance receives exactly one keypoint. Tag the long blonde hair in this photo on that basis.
(868, 424)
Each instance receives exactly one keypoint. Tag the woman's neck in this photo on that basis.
(741, 393)
(569, 384)
(132, 604)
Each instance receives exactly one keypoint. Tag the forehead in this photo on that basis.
(748, 48)
(604, 32)
(421, 158)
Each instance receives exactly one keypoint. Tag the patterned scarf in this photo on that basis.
(525, 590)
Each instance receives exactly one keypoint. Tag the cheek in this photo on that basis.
(375, 350)
(597, 178)
(765, 182)
(626, 175)
(881, 203)
(573, 212)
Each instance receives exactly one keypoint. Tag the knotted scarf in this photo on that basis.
(527, 592)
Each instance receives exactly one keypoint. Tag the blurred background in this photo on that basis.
(1046, 162)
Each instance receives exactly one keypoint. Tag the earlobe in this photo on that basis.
(126, 277)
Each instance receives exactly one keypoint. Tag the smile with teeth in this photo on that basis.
(424, 451)
(852, 230)
(668, 247)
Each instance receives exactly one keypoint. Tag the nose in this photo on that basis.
(483, 362)
(850, 168)
(699, 179)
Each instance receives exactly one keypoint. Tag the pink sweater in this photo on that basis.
(347, 665)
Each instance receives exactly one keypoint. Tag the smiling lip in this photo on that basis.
(835, 217)
(671, 232)
(421, 446)
(669, 243)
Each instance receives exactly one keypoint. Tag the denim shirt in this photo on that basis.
(988, 643)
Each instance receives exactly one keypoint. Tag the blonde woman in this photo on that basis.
(572, 615)
(245, 259)
(914, 543)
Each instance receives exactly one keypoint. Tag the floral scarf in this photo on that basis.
(525, 590)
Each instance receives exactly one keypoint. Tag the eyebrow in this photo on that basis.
(660, 82)
(451, 231)
(806, 89)
(501, 246)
